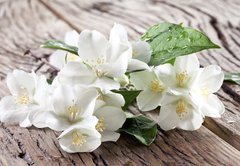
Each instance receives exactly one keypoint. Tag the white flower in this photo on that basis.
(81, 137)
(182, 74)
(153, 89)
(75, 73)
(71, 105)
(140, 50)
(59, 58)
(29, 95)
(179, 111)
(108, 110)
(106, 58)
(110, 119)
(208, 82)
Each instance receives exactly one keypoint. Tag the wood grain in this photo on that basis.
(25, 24)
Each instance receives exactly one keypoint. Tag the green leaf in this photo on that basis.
(141, 127)
(169, 41)
(59, 45)
(232, 77)
(129, 96)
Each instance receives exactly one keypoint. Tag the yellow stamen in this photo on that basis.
(71, 57)
(73, 112)
(205, 91)
(181, 108)
(101, 125)
(100, 60)
(182, 78)
(78, 139)
(135, 54)
(98, 72)
(156, 86)
(23, 99)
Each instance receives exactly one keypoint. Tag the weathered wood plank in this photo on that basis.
(39, 147)
(139, 15)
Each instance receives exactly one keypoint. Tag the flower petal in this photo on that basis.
(141, 51)
(118, 34)
(114, 117)
(141, 80)
(76, 73)
(71, 38)
(18, 79)
(148, 100)
(57, 59)
(51, 120)
(135, 64)
(110, 136)
(106, 84)
(212, 106)
(188, 63)
(211, 77)
(167, 74)
(168, 118)
(63, 97)
(86, 99)
(91, 45)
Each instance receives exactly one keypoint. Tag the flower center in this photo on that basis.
(100, 60)
(23, 98)
(181, 78)
(98, 72)
(156, 86)
(135, 54)
(72, 112)
(101, 125)
(78, 139)
(71, 57)
(181, 109)
(205, 91)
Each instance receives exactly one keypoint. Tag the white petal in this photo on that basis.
(211, 106)
(167, 74)
(168, 118)
(42, 92)
(113, 117)
(110, 136)
(135, 64)
(211, 77)
(188, 63)
(18, 79)
(114, 99)
(91, 45)
(86, 99)
(50, 119)
(141, 80)
(148, 100)
(106, 84)
(192, 121)
(57, 59)
(117, 55)
(71, 38)
(76, 73)
(118, 34)
(141, 51)
(63, 97)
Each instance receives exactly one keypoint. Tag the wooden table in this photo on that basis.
(25, 24)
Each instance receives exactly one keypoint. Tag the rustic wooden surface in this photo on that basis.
(25, 24)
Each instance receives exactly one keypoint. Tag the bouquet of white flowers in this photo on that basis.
(98, 79)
